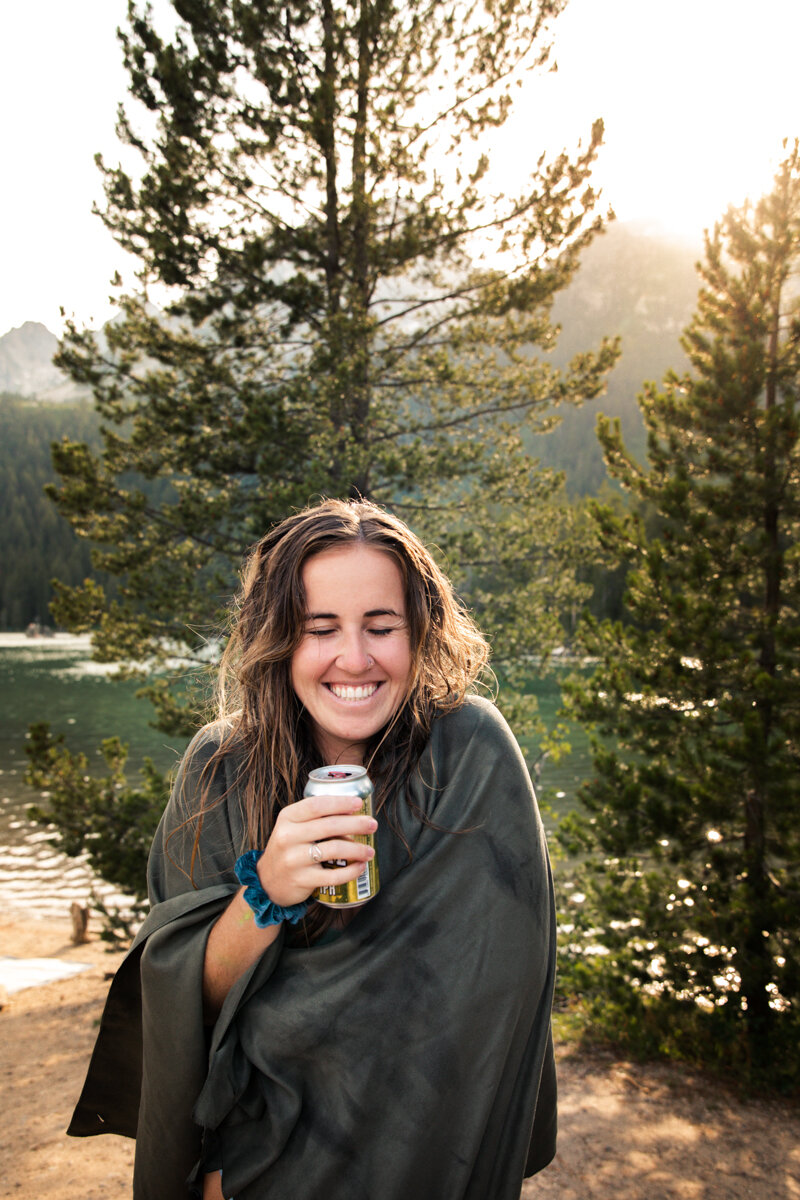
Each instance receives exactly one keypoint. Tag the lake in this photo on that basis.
(54, 680)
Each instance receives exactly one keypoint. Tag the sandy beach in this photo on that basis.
(640, 1132)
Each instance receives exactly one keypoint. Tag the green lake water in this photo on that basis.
(54, 680)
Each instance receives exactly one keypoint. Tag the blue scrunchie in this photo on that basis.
(266, 911)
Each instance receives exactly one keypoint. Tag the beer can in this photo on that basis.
(345, 780)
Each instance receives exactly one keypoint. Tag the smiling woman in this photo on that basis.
(352, 670)
(401, 1047)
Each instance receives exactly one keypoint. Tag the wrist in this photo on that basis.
(266, 911)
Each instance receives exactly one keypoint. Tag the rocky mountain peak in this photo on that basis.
(26, 364)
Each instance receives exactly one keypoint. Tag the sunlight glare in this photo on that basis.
(697, 97)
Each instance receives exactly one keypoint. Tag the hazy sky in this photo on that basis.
(697, 96)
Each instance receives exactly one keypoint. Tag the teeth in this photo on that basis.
(354, 693)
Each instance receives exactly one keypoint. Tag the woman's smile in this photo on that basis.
(347, 692)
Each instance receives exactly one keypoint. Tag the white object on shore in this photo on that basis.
(19, 973)
(58, 641)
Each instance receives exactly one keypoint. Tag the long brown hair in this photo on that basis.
(257, 707)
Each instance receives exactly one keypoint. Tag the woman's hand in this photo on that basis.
(305, 836)
(288, 873)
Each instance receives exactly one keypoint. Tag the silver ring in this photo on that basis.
(315, 852)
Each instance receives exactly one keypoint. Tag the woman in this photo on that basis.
(400, 1048)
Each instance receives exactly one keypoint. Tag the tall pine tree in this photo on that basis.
(350, 308)
(693, 832)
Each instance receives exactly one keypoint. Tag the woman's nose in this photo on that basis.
(353, 656)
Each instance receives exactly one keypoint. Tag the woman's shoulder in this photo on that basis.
(206, 781)
(212, 758)
(212, 734)
(476, 717)
(473, 744)
(210, 740)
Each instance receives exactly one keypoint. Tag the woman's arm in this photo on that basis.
(234, 944)
(288, 874)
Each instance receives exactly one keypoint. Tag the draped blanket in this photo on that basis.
(408, 1059)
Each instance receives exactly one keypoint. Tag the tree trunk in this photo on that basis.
(756, 969)
(326, 137)
(754, 962)
(361, 338)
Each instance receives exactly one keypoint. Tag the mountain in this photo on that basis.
(26, 365)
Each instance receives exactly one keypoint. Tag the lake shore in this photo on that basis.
(644, 1132)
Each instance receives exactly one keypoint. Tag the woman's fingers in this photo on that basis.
(341, 848)
(319, 818)
(337, 827)
(312, 808)
(289, 871)
(333, 876)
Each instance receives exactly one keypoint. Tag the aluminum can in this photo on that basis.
(346, 780)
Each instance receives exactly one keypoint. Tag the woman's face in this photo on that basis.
(352, 667)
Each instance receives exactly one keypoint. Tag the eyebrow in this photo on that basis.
(373, 612)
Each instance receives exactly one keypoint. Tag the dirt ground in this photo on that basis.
(642, 1133)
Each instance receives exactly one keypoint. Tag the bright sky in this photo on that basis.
(697, 96)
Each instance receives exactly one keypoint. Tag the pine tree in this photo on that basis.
(693, 832)
(314, 200)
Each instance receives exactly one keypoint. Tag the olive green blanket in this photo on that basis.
(408, 1058)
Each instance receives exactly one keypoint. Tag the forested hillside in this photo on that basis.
(36, 544)
(643, 288)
